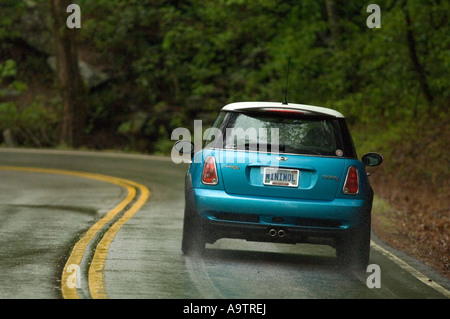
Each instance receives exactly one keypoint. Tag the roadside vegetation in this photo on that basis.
(148, 67)
(413, 187)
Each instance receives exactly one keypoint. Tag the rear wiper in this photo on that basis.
(265, 147)
(257, 147)
(304, 151)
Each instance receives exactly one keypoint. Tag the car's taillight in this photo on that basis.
(209, 174)
(351, 185)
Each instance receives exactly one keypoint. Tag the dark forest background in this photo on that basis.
(138, 69)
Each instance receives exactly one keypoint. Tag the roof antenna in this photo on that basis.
(287, 81)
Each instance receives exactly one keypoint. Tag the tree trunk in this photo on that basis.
(418, 67)
(333, 22)
(73, 91)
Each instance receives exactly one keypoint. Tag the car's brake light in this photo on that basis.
(351, 185)
(209, 174)
(284, 111)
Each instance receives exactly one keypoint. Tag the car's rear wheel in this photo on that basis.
(354, 249)
(193, 241)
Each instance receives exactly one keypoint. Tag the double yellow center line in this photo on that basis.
(106, 228)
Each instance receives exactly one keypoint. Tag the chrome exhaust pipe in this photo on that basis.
(272, 232)
(281, 233)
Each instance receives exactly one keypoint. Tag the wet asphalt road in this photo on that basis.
(42, 217)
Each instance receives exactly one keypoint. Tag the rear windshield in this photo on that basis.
(281, 133)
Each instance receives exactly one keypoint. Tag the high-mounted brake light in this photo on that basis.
(209, 174)
(284, 111)
(351, 185)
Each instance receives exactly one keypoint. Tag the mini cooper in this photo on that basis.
(277, 172)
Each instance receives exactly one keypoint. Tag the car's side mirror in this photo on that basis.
(184, 147)
(372, 159)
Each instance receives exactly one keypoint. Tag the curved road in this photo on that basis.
(80, 225)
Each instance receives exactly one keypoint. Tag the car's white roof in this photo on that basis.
(309, 109)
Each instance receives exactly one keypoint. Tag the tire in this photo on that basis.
(354, 249)
(193, 241)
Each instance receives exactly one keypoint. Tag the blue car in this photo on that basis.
(274, 172)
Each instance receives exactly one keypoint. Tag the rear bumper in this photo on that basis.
(257, 218)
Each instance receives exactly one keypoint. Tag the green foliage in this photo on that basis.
(8, 118)
(176, 61)
(8, 69)
(195, 56)
(10, 12)
(414, 149)
(33, 125)
(8, 72)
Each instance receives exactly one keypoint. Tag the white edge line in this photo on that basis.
(411, 269)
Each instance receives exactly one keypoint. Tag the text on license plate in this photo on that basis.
(280, 177)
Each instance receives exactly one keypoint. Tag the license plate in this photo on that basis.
(280, 177)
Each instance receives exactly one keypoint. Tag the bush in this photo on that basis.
(33, 125)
